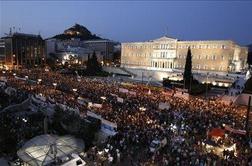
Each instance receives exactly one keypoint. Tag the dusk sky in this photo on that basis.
(133, 21)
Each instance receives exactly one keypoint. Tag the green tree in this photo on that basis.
(188, 69)
(249, 59)
(51, 61)
(93, 66)
(248, 86)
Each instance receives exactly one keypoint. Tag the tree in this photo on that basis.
(93, 66)
(188, 69)
(51, 61)
(249, 58)
(248, 87)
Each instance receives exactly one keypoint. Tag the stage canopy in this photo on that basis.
(44, 149)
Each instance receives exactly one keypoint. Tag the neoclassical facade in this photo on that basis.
(168, 54)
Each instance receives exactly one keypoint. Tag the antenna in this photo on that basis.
(10, 33)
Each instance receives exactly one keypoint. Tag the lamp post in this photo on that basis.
(206, 83)
(38, 82)
(27, 81)
(184, 80)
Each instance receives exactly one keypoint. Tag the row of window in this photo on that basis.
(182, 46)
(207, 57)
(171, 65)
(204, 67)
(202, 46)
(171, 55)
(139, 63)
(162, 64)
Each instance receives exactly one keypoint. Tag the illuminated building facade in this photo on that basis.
(104, 49)
(23, 50)
(169, 54)
(2, 53)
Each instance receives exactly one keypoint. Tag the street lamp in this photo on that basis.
(75, 90)
(14, 74)
(206, 83)
(183, 80)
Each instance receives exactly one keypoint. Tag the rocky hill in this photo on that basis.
(77, 31)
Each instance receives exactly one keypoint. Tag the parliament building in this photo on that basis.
(169, 54)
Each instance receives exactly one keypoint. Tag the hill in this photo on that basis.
(77, 31)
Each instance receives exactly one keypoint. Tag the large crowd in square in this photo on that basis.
(184, 123)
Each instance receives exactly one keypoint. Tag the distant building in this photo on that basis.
(169, 54)
(23, 50)
(103, 48)
(2, 53)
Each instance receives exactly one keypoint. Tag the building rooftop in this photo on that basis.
(17, 34)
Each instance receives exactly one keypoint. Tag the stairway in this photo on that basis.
(127, 71)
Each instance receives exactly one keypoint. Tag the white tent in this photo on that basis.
(44, 149)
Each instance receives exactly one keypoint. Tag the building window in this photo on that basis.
(213, 57)
(222, 57)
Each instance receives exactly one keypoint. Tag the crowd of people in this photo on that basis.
(185, 123)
